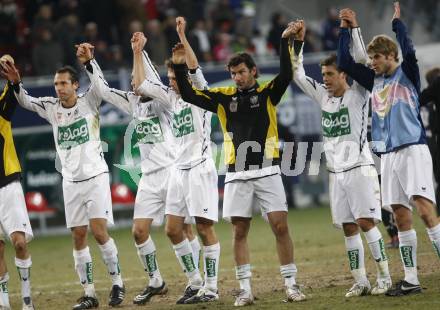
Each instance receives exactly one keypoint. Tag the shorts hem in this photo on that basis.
(28, 235)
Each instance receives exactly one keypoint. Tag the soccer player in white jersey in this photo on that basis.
(86, 188)
(354, 186)
(193, 186)
(151, 126)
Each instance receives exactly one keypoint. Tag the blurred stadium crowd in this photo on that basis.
(41, 34)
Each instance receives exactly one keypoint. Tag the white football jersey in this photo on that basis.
(75, 130)
(152, 120)
(191, 126)
(344, 119)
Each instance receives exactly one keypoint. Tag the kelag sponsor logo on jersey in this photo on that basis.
(336, 124)
(149, 131)
(73, 134)
(183, 123)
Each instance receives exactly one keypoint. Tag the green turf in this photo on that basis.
(319, 254)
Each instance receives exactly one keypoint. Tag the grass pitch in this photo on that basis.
(319, 254)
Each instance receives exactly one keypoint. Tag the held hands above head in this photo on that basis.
(138, 41)
(288, 32)
(348, 18)
(84, 52)
(396, 10)
(178, 56)
(299, 30)
(180, 26)
(8, 69)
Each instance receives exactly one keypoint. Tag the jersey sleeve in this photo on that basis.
(150, 71)
(205, 99)
(357, 46)
(198, 79)
(103, 91)
(409, 62)
(40, 105)
(98, 85)
(120, 99)
(309, 86)
(157, 90)
(360, 55)
(357, 71)
(278, 86)
(8, 102)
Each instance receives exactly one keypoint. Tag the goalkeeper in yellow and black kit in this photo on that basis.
(14, 220)
(248, 119)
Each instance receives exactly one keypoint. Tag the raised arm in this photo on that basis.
(279, 84)
(308, 85)
(359, 72)
(138, 42)
(357, 46)
(146, 80)
(409, 62)
(190, 56)
(196, 76)
(195, 73)
(8, 102)
(38, 105)
(204, 99)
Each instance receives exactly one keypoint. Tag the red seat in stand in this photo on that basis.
(121, 194)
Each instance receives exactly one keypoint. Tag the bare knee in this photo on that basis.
(366, 224)
(20, 245)
(350, 229)
(188, 231)
(101, 236)
(205, 228)
(140, 234)
(426, 210)
(174, 233)
(240, 230)
(403, 217)
(79, 236)
(280, 229)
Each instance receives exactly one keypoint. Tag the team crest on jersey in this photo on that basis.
(254, 101)
(59, 116)
(233, 105)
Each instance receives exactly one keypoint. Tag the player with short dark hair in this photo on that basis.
(354, 186)
(86, 184)
(248, 119)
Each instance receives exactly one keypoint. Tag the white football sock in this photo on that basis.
(147, 255)
(84, 269)
(377, 248)
(211, 257)
(408, 254)
(243, 274)
(24, 271)
(434, 236)
(185, 257)
(109, 254)
(355, 251)
(288, 272)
